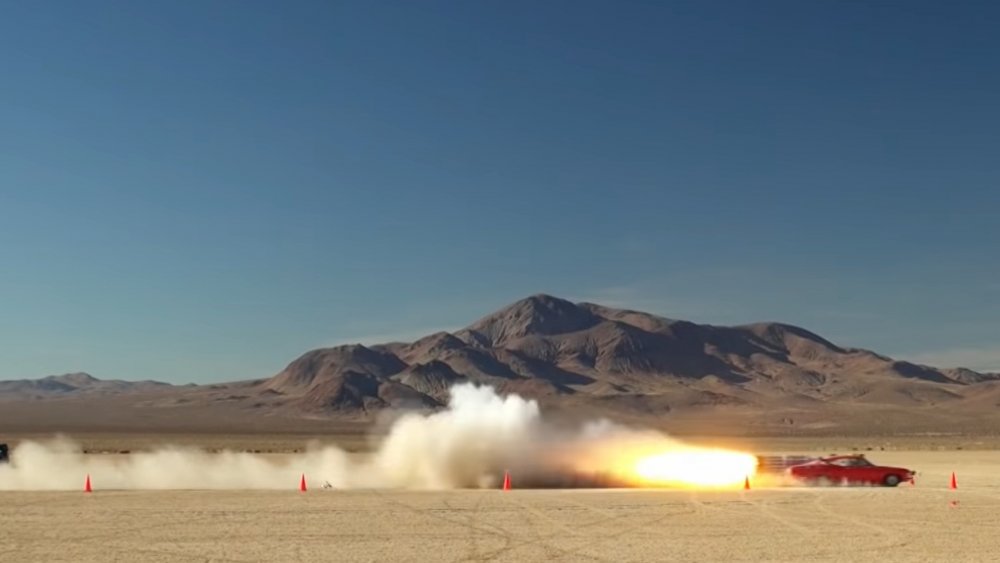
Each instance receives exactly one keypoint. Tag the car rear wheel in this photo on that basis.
(891, 480)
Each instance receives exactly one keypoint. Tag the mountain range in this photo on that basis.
(580, 358)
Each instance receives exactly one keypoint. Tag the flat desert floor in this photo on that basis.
(923, 522)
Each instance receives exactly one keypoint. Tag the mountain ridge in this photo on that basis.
(544, 346)
(73, 383)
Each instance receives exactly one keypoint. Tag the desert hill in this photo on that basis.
(73, 384)
(580, 357)
(555, 350)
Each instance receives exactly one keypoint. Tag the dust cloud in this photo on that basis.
(469, 444)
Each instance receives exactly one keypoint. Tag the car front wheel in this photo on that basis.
(891, 480)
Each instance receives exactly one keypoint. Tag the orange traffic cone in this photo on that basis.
(506, 480)
(746, 483)
(954, 483)
(302, 483)
(86, 486)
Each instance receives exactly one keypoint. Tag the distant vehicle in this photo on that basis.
(851, 470)
(4, 455)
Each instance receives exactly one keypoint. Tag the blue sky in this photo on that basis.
(201, 191)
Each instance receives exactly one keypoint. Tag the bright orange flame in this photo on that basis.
(651, 460)
(695, 467)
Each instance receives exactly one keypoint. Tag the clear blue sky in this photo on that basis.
(201, 191)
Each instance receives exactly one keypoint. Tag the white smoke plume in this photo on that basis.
(467, 445)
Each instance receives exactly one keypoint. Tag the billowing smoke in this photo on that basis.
(467, 445)
(60, 465)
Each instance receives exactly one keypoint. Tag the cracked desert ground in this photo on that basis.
(908, 523)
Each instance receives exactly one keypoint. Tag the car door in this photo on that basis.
(864, 471)
(839, 470)
(873, 473)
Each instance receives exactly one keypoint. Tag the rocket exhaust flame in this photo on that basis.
(696, 467)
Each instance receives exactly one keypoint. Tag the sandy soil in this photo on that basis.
(917, 523)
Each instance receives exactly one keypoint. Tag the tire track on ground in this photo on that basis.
(767, 509)
(542, 541)
(604, 513)
(637, 527)
(189, 556)
(473, 548)
(552, 553)
(471, 525)
(605, 538)
(576, 551)
(892, 539)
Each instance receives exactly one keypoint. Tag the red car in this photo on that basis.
(850, 469)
